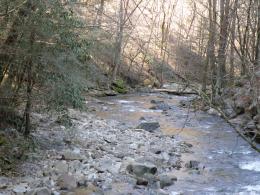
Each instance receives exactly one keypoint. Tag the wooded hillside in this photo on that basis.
(118, 97)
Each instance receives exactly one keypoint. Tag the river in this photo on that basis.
(227, 164)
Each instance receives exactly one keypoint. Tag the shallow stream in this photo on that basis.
(227, 164)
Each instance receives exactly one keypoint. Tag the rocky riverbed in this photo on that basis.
(217, 161)
(140, 144)
(95, 156)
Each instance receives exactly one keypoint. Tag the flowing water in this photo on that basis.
(228, 165)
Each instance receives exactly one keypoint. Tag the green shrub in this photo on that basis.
(119, 86)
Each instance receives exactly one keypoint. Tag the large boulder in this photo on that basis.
(67, 182)
(40, 191)
(167, 180)
(72, 155)
(140, 169)
(241, 120)
(160, 105)
(21, 188)
(257, 119)
(242, 99)
(149, 126)
(61, 167)
(251, 125)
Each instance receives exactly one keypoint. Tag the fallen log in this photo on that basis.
(175, 92)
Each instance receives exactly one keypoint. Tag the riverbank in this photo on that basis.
(141, 144)
(219, 161)
(94, 156)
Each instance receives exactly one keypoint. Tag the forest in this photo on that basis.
(121, 97)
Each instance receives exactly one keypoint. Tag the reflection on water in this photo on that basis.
(231, 166)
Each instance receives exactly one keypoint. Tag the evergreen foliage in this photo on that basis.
(41, 50)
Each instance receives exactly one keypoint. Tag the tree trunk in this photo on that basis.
(244, 43)
(119, 40)
(257, 57)
(27, 114)
(210, 59)
(257, 61)
(27, 129)
(224, 19)
(232, 45)
(100, 13)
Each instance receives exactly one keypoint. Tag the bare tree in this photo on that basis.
(100, 13)
(257, 57)
(119, 39)
(232, 40)
(224, 24)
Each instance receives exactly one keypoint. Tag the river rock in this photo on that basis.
(149, 126)
(257, 119)
(241, 120)
(61, 167)
(72, 155)
(213, 111)
(250, 125)
(107, 164)
(67, 182)
(21, 188)
(139, 169)
(110, 93)
(193, 164)
(161, 106)
(185, 103)
(142, 182)
(39, 191)
(242, 102)
(157, 101)
(4, 182)
(167, 180)
(90, 190)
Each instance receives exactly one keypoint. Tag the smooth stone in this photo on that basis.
(167, 180)
(40, 191)
(142, 182)
(61, 167)
(149, 126)
(67, 182)
(161, 106)
(156, 101)
(21, 188)
(213, 111)
(140, 169)
(70, 155)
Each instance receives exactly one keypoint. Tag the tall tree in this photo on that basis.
(211, 58)
(224, 25)
(257, 57)
(232, 42)
(119, 40)
(100, 13)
